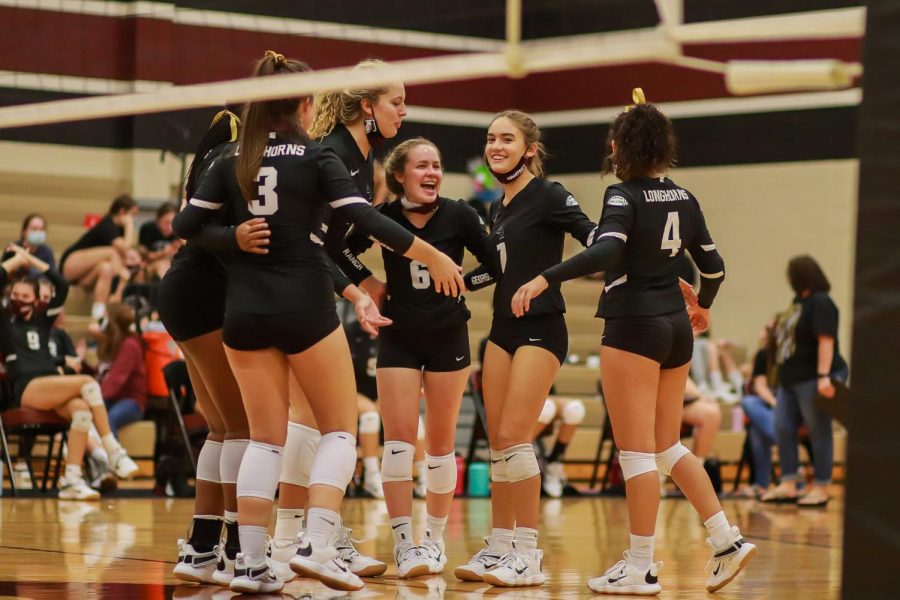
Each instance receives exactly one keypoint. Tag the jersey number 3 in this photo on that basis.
(266, 203)
(671, 239)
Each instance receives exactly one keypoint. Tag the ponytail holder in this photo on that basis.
(637, 96)
(278, 58)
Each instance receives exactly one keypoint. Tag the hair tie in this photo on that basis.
(278, 58)
(637, 96)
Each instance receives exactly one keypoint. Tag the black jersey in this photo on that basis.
(527, 236)
(297, 180)
(659, 221)
(335, 227)
(650, 222)
(208, 249)
(60, 346)
(412, 302)
(25, 343)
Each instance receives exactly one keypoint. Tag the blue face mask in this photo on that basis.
(36, 237)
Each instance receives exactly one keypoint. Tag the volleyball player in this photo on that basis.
(428, 339)
(524, 355)
(280, 317)
(36, 383)
(648, 221)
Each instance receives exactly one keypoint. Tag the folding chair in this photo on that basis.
(191, 424)
(28, 424)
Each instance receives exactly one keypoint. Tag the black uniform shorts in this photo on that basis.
(666, 339)
(191, 301)
(290, 333)
(544, 331)
(21, 382)
(435, 351)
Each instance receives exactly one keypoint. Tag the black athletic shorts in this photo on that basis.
(666, 339)
(435, 351)
(544, 331)
(191, 301)
(21, 382)
(291, 332)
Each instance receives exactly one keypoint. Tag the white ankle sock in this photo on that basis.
(401, 529)
(641, 551)
(501, 539)
(370, 464)
(719, 530)
(231, 517)
(525, 538)
(321, 523)
(434, 529)
(288, 523)
(111, 444)
(253, 544)
(73, 472)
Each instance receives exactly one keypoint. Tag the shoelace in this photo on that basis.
(409, 553)
(430, 550)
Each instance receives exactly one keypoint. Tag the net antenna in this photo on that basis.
(515, 58)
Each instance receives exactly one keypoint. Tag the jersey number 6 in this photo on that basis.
(671, 239)
(266, 203)
(421, 280)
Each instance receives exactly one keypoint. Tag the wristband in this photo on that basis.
(821, 375)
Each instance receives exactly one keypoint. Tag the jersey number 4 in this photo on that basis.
(266, 202)
(671, 238)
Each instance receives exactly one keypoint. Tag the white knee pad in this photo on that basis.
(335, 460)
(498, 467)
(81, 420)
(521, 463)
(230, 461)
(441, 473)
(421, 434)
(299, 453)
(665, 460)
(636, 463)
(369, 422)
(573, 412)
(258, 477)
(208, 462)
(91, 393)
(548, 413)
(397, 461)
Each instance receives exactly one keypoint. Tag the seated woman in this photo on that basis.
(569, 412)
(34, 241)
(97, 257)
(158, 241)
(123, 376)
(24, 338)
(704, 415)
(758, 406)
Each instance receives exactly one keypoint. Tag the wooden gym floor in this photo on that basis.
(125, 548)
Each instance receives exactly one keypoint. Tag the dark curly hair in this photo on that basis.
(805, 274)
(645, 143)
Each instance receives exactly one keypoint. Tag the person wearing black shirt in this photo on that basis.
(758, 404)
(36, 383)
(647, 223)
(809, 361)
(280, 317)
(34, 241)
(96, 258)
(428, 340)
(523, 356)
(157, 239)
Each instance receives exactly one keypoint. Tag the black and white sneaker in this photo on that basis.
(484, 560)
(325, 564)
(727, 562)
(254, 579)
(519, 568)
(193, 566)
(359, 564)
(625, 578)
(224, 567)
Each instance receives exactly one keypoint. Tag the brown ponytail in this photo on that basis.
(344, 106)
(259, 118)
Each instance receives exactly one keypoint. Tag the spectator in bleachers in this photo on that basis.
(140, 289)
(34, 241)
(122, 374)
(758, 404)
(24, 337)
(809, 361)
(704, 415)
(98, 255)
(569, 413)
(158, 241)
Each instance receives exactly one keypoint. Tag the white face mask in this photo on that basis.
(36, 237)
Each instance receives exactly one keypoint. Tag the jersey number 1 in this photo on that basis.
(266, 202)
(671, 239)
(421, 279)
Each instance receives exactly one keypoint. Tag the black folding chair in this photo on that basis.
(182, 401)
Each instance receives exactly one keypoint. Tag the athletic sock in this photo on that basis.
(401, 530)
(205, 532)
(641, 552)
(719, 531)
